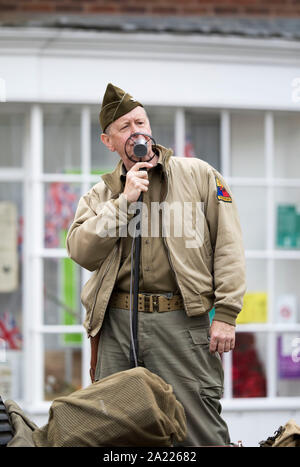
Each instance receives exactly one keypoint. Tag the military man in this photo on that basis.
(181, 277)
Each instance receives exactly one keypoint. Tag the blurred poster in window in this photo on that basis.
(288, 346)
(248, 371)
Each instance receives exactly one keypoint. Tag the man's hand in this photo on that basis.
(222, 337)
(136, 181)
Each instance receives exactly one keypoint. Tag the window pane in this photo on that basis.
(256, 274)
(252, 208)
(11, 137)
(162, 125)
(11, 277)
(103, 160)
(288, 354)
(62, 364)
(255, 303)
(11, 373)
(287, 145)
(62, 287)
(61, 200)
(247, 145)
(248, 365)
(203, 137)
(62, 141)
(287, 294)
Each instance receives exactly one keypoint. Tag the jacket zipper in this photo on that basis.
(97, 291)
(168, 250)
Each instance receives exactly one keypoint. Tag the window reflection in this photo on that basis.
(103, 160)
(162, 125)
(286, 145)
(247, 144)
(62, 288)
(62, 363)
(11, 137)
(62, 141)
(203, 137)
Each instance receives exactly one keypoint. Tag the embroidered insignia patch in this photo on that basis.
(222, 194)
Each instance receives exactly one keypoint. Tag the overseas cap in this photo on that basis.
(116, 103)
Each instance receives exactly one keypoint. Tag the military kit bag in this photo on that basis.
(130, 408)
(286, 436)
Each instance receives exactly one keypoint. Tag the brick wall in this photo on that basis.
(260, 8)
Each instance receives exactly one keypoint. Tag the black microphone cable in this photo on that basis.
(140, 142)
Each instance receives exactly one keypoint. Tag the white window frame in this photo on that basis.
(270, 254)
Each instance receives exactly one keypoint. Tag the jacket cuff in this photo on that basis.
(226, 316)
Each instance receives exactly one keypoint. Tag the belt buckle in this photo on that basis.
(155, 302)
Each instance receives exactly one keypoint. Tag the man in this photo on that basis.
(182, 277)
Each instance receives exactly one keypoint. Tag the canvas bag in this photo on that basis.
(22, 426)
(130, 408)
(286, 436)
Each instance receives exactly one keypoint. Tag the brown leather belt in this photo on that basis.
(147, 303)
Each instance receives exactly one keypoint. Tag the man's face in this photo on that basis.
(135, 121)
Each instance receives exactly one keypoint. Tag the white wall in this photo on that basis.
(64, 66)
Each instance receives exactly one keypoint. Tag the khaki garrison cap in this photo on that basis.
(116, 103)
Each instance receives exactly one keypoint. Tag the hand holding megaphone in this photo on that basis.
(137, 177)
(136, 181)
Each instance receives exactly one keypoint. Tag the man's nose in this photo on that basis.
(134, 129)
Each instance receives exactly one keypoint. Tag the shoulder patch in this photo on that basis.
(222, 194)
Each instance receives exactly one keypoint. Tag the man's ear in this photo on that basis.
(106, 140)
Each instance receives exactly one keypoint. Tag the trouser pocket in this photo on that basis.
(208, 366)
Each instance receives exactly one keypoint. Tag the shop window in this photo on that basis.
(11, 137)
(288, 364)
(252, 209)
(102, 160)
(61, 141)
(248, 372)
(61, 201)
(287, 146)
(62, 366)
(11, 289)
(62, 289)
(287, 214)
(247, 145)
(202, 137)
(162, 126)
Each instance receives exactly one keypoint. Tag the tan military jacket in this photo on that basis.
(206, 254)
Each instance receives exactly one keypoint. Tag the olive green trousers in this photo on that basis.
(176, 348)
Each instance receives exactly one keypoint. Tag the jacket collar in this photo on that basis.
(113, 179)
